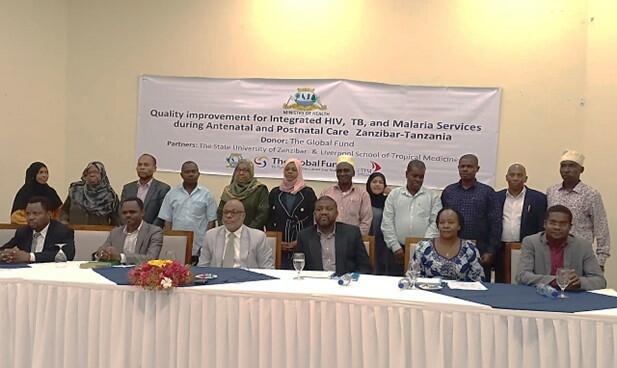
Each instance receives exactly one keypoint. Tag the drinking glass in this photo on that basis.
(60, 257)
(563, 279)
(298, 262)
(415, 268)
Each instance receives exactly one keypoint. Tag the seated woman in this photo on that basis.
(248, 190)
(92, 200)
(448, 256)
(35, 185)
(291, 208)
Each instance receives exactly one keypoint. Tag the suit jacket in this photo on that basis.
(534, 266)
(291, 223)
(534, 208)
(153, 202)
(254, 250)
(350, 252)
(57, 233)
(147, 247)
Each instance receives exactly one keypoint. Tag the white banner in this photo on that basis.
(215, 122)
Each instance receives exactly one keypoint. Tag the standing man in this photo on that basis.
(523, 212)
(37, 241)
(410, 211)
(589, 217)
(189, 207)
(134, 243)
(330, 245)
(148, 189)
(481, 212)
(234, 244)
(354, 205)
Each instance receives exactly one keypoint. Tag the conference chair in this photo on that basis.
(369, 244)
(179, 243)
(274, 239)
(410, 247)
(512, 254)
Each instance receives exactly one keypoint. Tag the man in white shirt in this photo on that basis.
(37, 242)
(135, 242)
(410, 211)
(235, 245)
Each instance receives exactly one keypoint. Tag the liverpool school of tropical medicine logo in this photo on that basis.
(232, 159)
(304, 99)
(261, 161)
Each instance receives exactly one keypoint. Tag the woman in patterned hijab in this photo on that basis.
(92, 200)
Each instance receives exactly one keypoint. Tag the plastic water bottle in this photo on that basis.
(345, 279)
(404, 283)
(547, 291)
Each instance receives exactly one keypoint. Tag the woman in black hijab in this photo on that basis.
(35, 185)
(378, 189)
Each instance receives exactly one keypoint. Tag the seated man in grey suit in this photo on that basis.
(135, 242)
(543, 253)
(330, 245)
(148, 189)
(235, 245)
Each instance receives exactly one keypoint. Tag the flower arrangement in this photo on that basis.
(159, 274)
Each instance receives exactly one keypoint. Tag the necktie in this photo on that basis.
(228, 257)
(35, 242)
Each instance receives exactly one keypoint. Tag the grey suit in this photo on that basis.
(534, 266)
(147, 247)
(254, 250)
(153, 202)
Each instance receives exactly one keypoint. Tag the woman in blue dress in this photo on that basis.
(448, 256)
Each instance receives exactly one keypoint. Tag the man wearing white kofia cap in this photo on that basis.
(589, 217)
(354, 204)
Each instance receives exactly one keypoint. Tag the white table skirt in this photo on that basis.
(94, 324)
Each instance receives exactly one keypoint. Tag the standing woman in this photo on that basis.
(248, 190)
(35, 185)
(291, 208)
(377, 189)
(92, 200)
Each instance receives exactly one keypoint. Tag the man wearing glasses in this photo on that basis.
(234, 244)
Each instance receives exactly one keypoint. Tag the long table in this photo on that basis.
(70, 317)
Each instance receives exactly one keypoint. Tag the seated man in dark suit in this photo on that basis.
(37, 241)
(331, 245)
(148, 189)
(135, 242)
(545, 252)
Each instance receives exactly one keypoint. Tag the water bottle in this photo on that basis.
(547, 291)
(344, 280)
(404, 283)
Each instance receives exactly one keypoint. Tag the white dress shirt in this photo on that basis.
(38, 242)
(142, 190)
(130, 242)
(512, 214)
(236, 234)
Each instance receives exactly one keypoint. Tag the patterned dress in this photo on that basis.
(464, 266)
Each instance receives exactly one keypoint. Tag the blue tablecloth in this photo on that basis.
(120, 275)
(521, 297)
(10, 266)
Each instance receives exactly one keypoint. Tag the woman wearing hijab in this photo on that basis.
(377, 189)
(35, 185)
(92, 200)
(291, 208)
(253, 195)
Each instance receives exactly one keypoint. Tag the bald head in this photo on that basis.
(516, 178)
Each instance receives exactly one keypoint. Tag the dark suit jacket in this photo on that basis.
(350, 253)
(534, 208)
(57, 233)
(153, 202)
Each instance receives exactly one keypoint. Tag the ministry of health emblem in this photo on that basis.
(304, 99)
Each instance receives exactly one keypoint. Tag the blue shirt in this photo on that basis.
(189, 212)
(464, 266)
(481, 214)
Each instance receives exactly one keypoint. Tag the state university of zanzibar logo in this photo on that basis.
(304, 99)
(232, 159)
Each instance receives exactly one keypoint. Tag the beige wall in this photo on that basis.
(546, 56)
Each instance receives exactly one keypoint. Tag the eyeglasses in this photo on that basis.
(232, 212)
